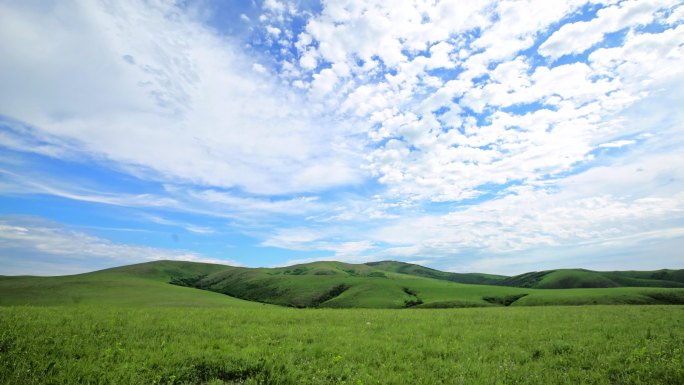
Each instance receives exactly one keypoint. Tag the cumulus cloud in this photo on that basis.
(574, 38)
(367, 129)
(615, 209)
(497, 118)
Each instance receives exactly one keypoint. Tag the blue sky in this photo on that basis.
(498, 137)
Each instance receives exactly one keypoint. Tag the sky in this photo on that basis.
(468, 136)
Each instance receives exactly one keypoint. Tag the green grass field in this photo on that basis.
(272, 345)
(107, 289)
(130, 325)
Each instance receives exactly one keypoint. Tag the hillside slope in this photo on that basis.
(318, 284)
(580, 278)
(422, 271)
(144, 284)
(337, 284)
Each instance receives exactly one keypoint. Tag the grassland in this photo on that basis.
(580, 278)
(129, 325)
(271, 345)
(396, 285)
(319, 284)
(109, 288)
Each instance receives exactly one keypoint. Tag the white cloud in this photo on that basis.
(646, 63)
(643, 254)
(156, 92)
(174, 198)
(619, 209)
(294, 238)
(273, 31)
(575, 38)
(53, 244)
(324, 82)
(677, 15)
(308, 60)
(448, 157)
(259, 68)
(617, 144)
(274, 6)
(332, 239)
(475, 140)
(187, 226)
(515, 30)
(15, 184)
(624, 203)
(349, 252)
(255, 206)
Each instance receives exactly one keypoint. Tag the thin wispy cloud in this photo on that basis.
(494, 135)
(26, 242)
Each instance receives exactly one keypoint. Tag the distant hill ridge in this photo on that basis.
(548, 279)
(395, 284)
(384, 284)
(581, 278)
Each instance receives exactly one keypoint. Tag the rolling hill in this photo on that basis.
(549, 279)
(580, 278)
(337, 284)
(422, 271)
(144, 284)
(385, 284)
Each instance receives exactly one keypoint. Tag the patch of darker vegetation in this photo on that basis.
(330, 294)
(188, 281)
(451, 304)
(325, 272)
(410, 292)
(255, 291)
(415, 301)
(264, 291)
(667, 298)
(377, 274)
(586, 283)
(505, 300)
(524, 280)
(351, 272)
(669, 275)
(205, 371)
(422, 271)
(7, 341)
(296, 271)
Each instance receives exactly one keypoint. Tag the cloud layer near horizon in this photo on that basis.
(465, 135)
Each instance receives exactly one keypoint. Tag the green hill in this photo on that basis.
(422, 271)
(390, 284)
(580, 278)
(331, 284)
(144, 284)
(336, 284)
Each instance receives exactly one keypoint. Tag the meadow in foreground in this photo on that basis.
(271, 345)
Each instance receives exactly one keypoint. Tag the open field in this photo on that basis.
(129, 325)
(107, 289)
(271, 345)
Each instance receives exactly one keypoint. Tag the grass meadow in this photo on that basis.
(85, 344)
